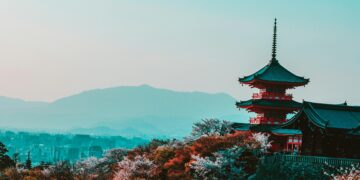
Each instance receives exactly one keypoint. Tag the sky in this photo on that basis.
(51, 49)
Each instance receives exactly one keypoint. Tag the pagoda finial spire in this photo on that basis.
(274, 43)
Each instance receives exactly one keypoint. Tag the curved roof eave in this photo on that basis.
(306, 81)
(277, 67)
(312, 115)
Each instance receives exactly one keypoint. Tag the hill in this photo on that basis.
(127, 111)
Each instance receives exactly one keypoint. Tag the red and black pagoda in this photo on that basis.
(317, 129)
(272, 103)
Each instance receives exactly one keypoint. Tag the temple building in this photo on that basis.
(316, 129)
(328, 130)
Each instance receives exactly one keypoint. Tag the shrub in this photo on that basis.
(275, 170)
(339, 173)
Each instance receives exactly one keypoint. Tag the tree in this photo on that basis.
(13, 173)
(28, 164)
(138, 168)
(62, 171)
(205, 168)
(210, 127)
(16, 158)
(176, 166)
(5, 160)
(87, 167)
(226, 164)
(115, 155)
(346, 172)
(263, 141)
(273, 169)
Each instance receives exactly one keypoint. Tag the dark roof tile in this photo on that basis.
(275, 72)
(330, 116)
(270, 103)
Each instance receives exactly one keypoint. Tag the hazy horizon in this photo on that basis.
(53, 49)
(112, 87)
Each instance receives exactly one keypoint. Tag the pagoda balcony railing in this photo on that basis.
(266, 120)
(269, 95)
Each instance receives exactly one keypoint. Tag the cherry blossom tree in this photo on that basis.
(226, 164)
(86, 167)
(210, 127)
(138, 168)
(115, 155)
(350, 172)
(206, 168)
(263, 140)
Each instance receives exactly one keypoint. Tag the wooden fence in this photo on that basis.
(312, 159)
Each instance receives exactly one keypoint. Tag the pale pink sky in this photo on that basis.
(51, 49)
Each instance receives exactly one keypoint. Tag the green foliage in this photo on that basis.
(28, 163)
(115, 155)
(226, 164)
(278, 170)
(5, 160)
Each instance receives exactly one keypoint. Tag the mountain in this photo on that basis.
(12, 104)
(128, 111)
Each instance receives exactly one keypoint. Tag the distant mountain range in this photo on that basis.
(141, 111)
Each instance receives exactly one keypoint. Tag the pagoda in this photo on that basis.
(272, 103)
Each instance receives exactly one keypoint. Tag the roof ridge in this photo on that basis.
(329, 116)
(341, 106)
(278, 63)
(326, 122)
(292, 119)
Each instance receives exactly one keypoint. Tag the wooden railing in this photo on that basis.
(254, 120)
(265, 120)
(312, 159)
(269, 95)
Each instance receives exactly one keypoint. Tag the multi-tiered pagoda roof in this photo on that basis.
(270, 104)
(273, 74)
(273, 80)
